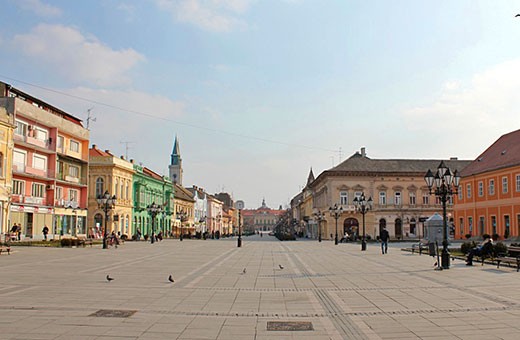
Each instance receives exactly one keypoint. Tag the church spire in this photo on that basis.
(310, 179)
(175, 166)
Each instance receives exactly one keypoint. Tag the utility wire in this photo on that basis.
(168, 119)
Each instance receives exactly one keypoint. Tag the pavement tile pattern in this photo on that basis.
(328, 291)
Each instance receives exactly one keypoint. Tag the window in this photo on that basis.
(18, 187)
(116, 187)
(59, 143)
(38, 190)
(461, 194)
(470, 225)
(382, 198)
(468, 190)
(74, 146)
(100, 186)
(19, 160)
(491, 187)
(505, 188)
(482, 225)
(494, 224)
(517, 183)
(2, 164)
(59, 193)
(40, 134)
(426, 199)
(412, 198)
(507, 230)
(397, 198)
(461, 226)
(127, 196)
(480, 189)
(39, 162)
(73, 195)
(122, 189)
(21, 128)
(343, 198)
(73, 171)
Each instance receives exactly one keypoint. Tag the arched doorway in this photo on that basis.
(351, 227)
(399, 228)
(98, 224)
(382, 224)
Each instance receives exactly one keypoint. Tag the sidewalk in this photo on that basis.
(338, 292)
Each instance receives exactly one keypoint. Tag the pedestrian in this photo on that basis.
(45, 232)
(331, 238)
(484, 248)
(19, 231)
(138, 234)
(384, 236)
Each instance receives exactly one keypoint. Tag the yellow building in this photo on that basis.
(112, 174)
(6, 161)
(184, 211)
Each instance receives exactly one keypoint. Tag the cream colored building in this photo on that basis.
(115, 175)
(6, 164)
(184, 211)
(401, 201)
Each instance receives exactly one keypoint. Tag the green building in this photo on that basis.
(150, 187)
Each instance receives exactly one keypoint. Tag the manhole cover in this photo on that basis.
(289, 326)
(113, 313)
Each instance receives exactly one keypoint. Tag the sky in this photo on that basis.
(258, 92)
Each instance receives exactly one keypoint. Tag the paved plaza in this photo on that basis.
(323, 291)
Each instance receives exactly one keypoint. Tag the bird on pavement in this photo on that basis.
(518, 15)
(281, 267)
(170, 278)
(109, 278)
(244, 271)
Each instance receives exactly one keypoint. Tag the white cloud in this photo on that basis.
(211, 15)
(39, 8)
(77, 57)
(474, 112)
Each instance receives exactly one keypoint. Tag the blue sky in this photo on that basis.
(259, 91)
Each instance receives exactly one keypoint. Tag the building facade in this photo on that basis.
(488, 201)
(50, 166)
(108, 173)
(184, 216)
(6, 165)
(401, 199)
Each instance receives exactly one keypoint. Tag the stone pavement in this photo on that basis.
(338, 292)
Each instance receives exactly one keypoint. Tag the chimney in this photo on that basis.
(363, 153)
(122, 157)
(132, 161)
(94, 146)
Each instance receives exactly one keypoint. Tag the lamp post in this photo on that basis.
(106, 203)
(363, 206)
(182, 216)
(444, 184)
(335, 212)
(153, 209)
(319, 216)
(240, 206)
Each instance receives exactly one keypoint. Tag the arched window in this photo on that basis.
(398, 228)
(413, 227)
(116, 188)
(100, 186)
(382, 224)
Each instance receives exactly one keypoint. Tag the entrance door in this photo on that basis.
(398, 228)
(351, 227)
(29, 225)
(382, 224)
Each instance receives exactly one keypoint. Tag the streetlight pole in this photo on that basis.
(335, 212)
(153, 209)
(444, 184)
(319, 217)
(106, 203)
(363, 206)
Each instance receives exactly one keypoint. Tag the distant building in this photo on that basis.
(488, 201)
(262, 218)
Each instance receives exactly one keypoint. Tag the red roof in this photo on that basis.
(95, 152)
(504, 153)
(151, 173)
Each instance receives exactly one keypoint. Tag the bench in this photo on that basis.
(5, 248)
(421, 245)
(83, 241)
(512, 257)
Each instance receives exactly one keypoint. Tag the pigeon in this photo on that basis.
(109, 278)
(518, 15)
(281, 267)
(170, 278)
(244, 271)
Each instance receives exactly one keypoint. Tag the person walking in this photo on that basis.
(384, 236)
(45, 232)
(19, 231)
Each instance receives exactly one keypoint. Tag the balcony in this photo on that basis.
(34, 200)
(33, 142)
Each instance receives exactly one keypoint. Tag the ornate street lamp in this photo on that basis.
(444, 184)
(106, 203)
(182, 217)
(153, 209)
(336, 212)
(240, 206)
(363, 206)
(319, 216)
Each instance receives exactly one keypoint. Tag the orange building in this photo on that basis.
(488, 201)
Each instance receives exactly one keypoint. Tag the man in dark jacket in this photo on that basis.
(384, 236)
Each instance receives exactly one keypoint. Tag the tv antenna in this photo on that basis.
(127, 146)
(89, 117)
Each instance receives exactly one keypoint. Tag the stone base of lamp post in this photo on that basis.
(445, 257)
(363, 245)
(239, 242)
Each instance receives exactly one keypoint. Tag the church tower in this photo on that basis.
(175, 166)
